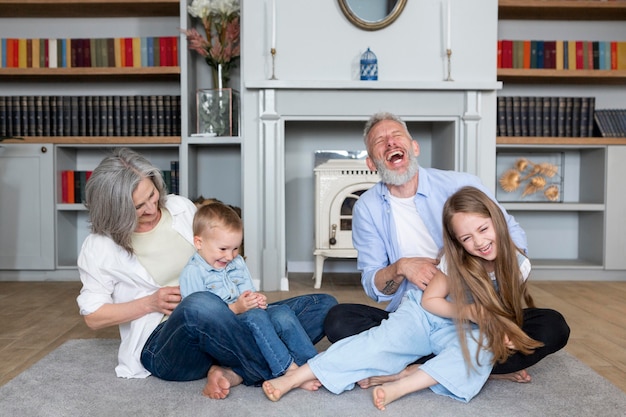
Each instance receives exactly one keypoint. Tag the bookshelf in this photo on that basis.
(584, 231)
(59, 228)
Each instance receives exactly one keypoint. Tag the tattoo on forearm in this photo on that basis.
(390, 287)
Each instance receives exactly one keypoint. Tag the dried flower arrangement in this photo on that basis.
(535, 175)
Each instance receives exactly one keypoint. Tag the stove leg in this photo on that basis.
(319, 270)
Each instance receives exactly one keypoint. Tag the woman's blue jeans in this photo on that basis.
(202, 331)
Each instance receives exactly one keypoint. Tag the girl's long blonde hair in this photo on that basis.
(498, 312)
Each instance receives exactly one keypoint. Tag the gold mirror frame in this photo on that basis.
(367, 25)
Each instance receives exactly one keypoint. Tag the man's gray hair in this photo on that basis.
(379, 117)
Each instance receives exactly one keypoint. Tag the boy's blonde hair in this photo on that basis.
(216, 215)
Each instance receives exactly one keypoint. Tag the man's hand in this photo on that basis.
(419, 271)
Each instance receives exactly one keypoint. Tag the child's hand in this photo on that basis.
(246, 301)
(262, 300)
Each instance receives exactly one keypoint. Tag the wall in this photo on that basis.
(314, 41)
(318, 50)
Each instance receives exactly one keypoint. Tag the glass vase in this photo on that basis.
(218, 112)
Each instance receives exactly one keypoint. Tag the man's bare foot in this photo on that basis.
(381, 379)
(522, 377)
(219, 382)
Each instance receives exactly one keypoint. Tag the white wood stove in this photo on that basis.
(338, 185)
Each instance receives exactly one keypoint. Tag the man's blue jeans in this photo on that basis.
(202, 331)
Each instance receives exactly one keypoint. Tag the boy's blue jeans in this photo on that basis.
(279, 336)
(202, 331)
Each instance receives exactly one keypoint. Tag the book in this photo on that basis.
(117, 121)
(559, 57)
(507, 53)
(31, 112)
(111, 57)
(501, 116)
(540, 54)
(508, 102)
(576, 117)
(517, 116)
(38, 104)
(526, 55)
(549, 54)
(22, 49)
(524, 115)
(620, 51)
(128, 52)
(531, 116)
(569, 104)
(546, 117)
(560, 116)
(94, 53)
(3, 115)
(533, 54)
(584, 117)
(174, 59)
(110, 114)
(590, 111)
(554, 116)
(136, 52)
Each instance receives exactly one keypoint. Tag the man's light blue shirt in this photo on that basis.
(374, 230)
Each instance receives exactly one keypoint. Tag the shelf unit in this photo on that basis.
(575, 235)
(210, 167)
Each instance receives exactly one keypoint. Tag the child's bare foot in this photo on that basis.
(381, 379)
(301, 377)
(271, 391)
(313, 385)
(519, 376)
(219, 382)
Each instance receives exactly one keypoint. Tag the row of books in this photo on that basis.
(562, 55)
(73, 186)
(73, 183)
(96, 52)
(611, 123)
(154, 115)
(545, 116)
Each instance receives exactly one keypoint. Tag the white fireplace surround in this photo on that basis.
(465, 110)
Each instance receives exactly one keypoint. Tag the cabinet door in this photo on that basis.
(26, 206)
(616, 209)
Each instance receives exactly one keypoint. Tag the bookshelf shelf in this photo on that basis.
(91, 73)
(561, 10)
(527, 76)
(580, 232)
(88, 8)
(99, 140)
(544, 141)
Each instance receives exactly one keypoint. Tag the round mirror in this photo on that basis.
(372, 14)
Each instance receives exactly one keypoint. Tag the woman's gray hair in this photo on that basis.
(109, 194)
(379, 117)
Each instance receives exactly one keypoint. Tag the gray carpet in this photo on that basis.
(77, 379)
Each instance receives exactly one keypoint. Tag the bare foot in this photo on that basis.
(381, 379)
(271, 391)
(522, 377)
(219, 382)
(301, 377)
(313, 385)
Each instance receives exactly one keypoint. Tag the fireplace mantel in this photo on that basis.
(467, 109)
(371, 85)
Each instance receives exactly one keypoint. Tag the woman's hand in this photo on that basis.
(165, 300)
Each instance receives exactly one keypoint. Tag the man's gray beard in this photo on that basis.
(391, 177)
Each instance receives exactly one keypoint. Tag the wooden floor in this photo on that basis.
(37, 317)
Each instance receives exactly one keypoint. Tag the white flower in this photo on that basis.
(204, 8)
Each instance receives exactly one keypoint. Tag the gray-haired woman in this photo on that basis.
(129, 265)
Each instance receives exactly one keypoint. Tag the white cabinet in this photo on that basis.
(615, 241)
(26, 207)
